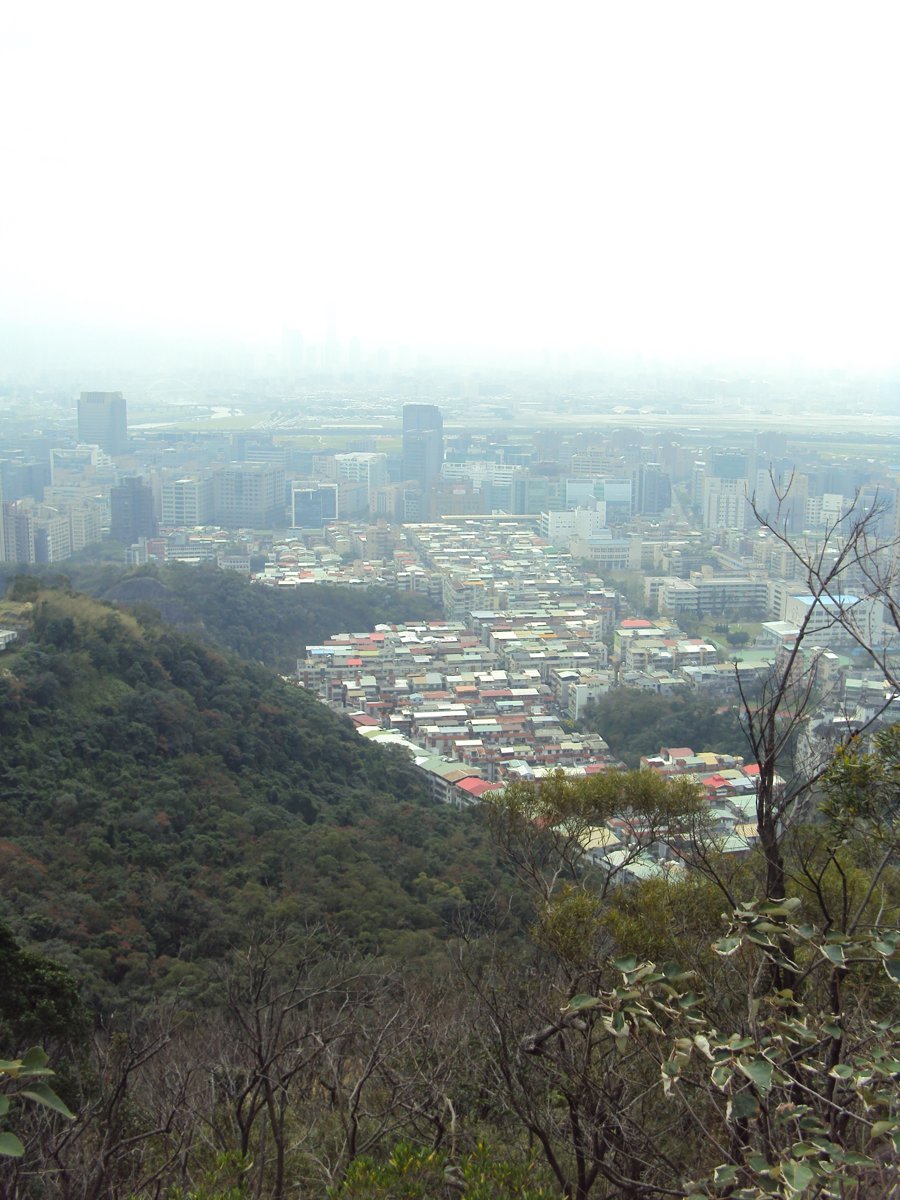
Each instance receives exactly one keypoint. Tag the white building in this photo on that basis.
(187, 501)
(370, 469)
(834, 620)
(725, 503)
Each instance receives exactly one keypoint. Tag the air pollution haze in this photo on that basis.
(691, 180)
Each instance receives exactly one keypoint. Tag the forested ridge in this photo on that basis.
(271, 625)
(635, 722)
(158, 797)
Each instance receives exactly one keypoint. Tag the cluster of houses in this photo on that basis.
(486, 697)
(531, 635)
(482, 704)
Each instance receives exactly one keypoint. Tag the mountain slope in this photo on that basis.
(265, 624)
(159, 798)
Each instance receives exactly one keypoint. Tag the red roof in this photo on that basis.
(475, 786)
(715, 781)
(751, 769)
(363, 719)
(635, 623)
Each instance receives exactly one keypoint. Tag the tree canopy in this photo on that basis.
(635, 722)
(159, 797)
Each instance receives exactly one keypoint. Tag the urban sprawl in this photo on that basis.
(567, 561)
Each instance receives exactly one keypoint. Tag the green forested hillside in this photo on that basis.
(636, 722)
(158, 798)
(270, 625)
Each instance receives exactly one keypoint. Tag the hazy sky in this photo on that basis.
(718, 178)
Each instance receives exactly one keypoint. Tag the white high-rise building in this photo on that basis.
(368, 468)
(187, 501)
(725, 504)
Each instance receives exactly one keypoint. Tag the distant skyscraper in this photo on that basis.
(725, 503)
(249, 495)
(103, 421)
(655, 490)
(187, 501)
(313, 505)
(423, 444)
(131, 511)
(368, 468)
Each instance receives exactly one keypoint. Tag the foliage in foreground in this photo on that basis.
(416, 1173)
(25, 1079)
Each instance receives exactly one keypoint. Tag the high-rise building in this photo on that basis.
(18, 531)
(86, 523)
(313, 505)
(249, 494)
(423, 444)
(368, 468)
(187, 501)
(21, 478)
(616, 494)
(654, 490)
(81, 464)
(103, 421)
(131, 511)
(699, 473)
(35, 533)
(725, 503)
(780, 495)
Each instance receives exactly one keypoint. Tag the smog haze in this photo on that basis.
(682, 181)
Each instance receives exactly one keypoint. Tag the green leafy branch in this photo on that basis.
(27, 1076)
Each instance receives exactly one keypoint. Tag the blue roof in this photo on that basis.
(827, 601)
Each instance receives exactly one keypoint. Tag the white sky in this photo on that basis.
(713, 178)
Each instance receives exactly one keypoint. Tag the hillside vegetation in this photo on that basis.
(159, 798)
(265, 966)
(270, 625)
(635, 722)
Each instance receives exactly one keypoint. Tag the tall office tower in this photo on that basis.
(614, 494)
(188, 501)
(655, 490)
(131, 511)
(725, 504)
(698, 478)
(37, 533)
(86, 524)
(779, 494)
(368, 468)
(21, 478)
(249, 495)
(313, 505)
(423, 444)
(18, 521)
(730, 464)
(103, 421)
